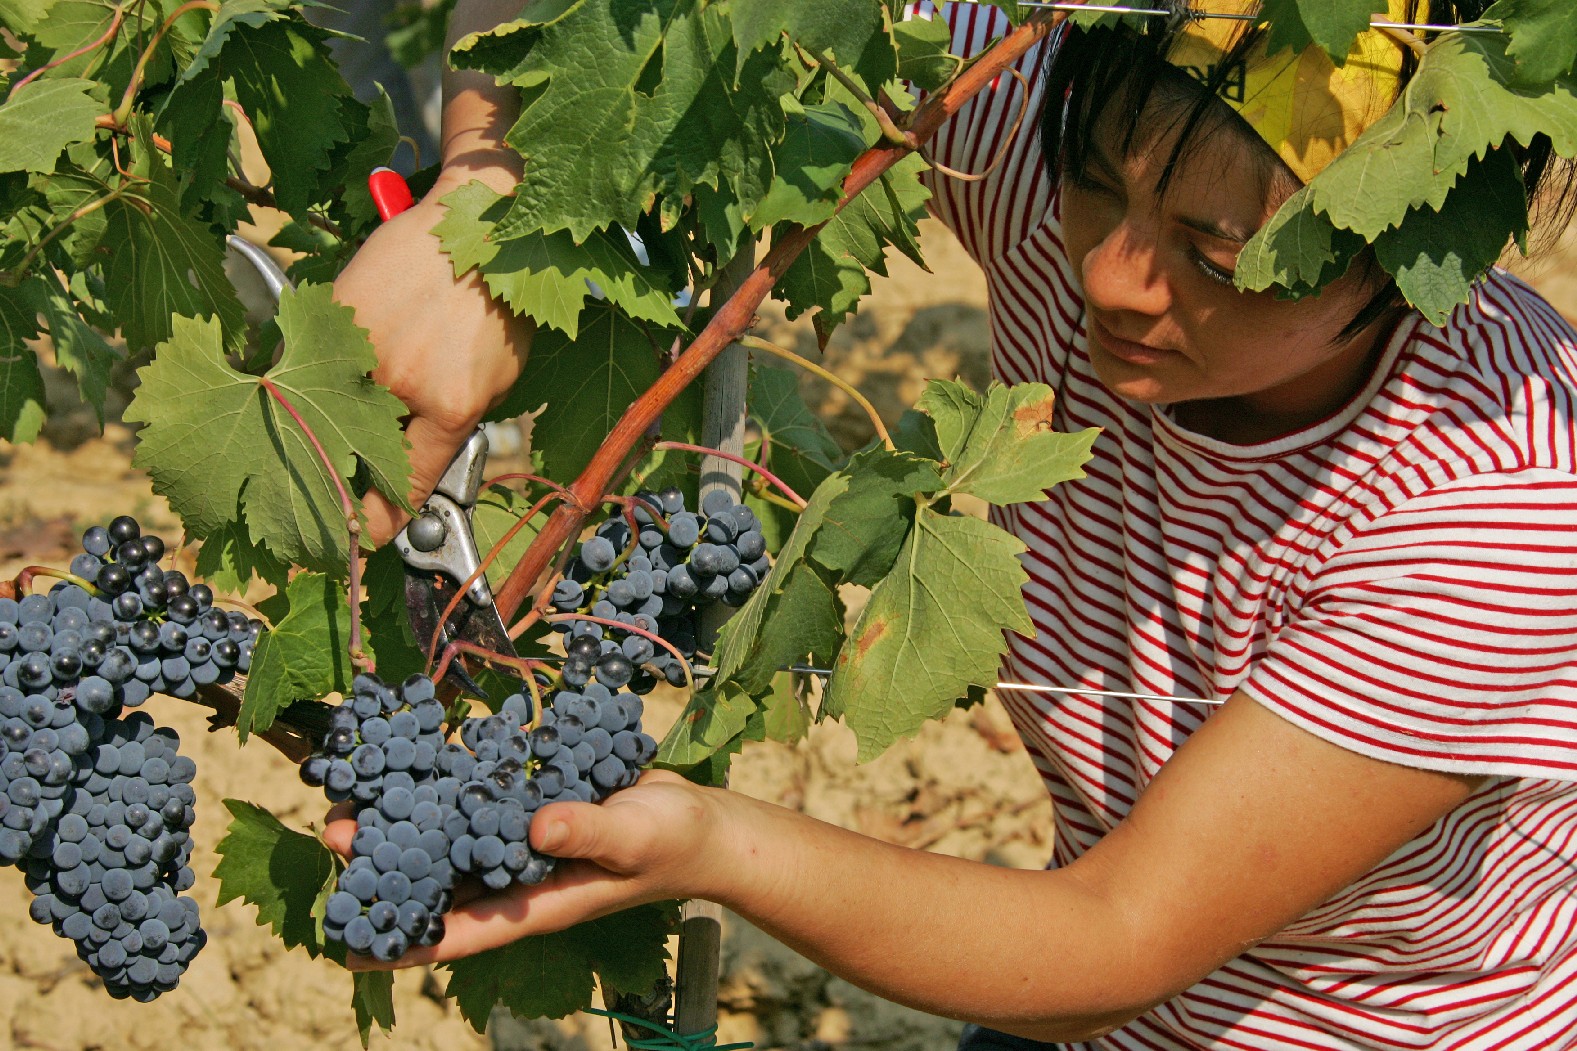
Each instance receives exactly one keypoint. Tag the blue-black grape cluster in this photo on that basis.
(657, 578)
(432, 811)
(118, 860)
(179, 638)
(96, 808)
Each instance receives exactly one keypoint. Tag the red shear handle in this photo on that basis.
(390, 194)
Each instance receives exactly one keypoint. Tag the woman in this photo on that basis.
(1353, 530)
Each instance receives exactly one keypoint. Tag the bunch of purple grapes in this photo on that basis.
(96, 809)
(656, 578)
(463, 808)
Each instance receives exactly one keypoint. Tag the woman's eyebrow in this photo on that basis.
(1214, 229)
(1095, 157)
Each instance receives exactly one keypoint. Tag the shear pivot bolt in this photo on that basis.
(427, 532)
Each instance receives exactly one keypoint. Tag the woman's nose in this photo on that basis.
(1123, 273)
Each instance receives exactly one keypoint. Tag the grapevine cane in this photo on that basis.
(737, 315)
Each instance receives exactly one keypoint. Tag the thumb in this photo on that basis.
(571, 830)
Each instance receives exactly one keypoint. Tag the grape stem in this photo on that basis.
(358, 657)
(488, 560)
(254, 195)
(122, 112)
(14, 277)
(524, 665)
(798, 501)
(24, 579)
(737, 315)
(114, 27)
(891, 132)
(767, 347)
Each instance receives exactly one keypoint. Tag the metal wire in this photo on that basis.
(1155, 12)
(1031, 687)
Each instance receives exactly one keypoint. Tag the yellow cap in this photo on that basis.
(1304, 105)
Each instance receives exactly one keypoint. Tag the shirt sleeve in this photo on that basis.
(1443, 635)
(994, 135)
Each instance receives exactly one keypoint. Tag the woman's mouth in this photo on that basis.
(1123, 349)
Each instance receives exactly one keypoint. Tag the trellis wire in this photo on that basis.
(1197, 14)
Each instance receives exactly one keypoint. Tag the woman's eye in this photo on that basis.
(1215, 273)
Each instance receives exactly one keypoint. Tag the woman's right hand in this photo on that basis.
(445, 347)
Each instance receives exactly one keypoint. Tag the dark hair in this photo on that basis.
(1095, 69)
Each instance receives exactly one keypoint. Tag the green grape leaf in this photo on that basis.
(626, 101)
(710, 728)
(1331, 24)
(215, 436)
(278, 871)
(233, 14)
(589, 382)
(23, 16)
(44, 118)
(372, 997)
(374, 136)
(1299, 250)
(738, 638)
(164, 264)
(72, 23)
(79, 349)
(931, 630)
(836, 28)
(819, 146)
(545, 276)
(1000, 446)
(228, 559)
(1012, 8)
(550, 975)
(800, 449)
(864, 526)
(21, 385)
(292, 91)
(832, 274)
(1543, 38)
(785, 710)
(384, 617)
(1436, 256)
(304, 656)
(925, 57)
(1457, 107)
(803, 618)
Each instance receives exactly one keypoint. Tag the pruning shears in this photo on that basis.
(447, 597)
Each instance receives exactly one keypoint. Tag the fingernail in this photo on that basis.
(553, 837)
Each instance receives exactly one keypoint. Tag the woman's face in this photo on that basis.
(1166, 324)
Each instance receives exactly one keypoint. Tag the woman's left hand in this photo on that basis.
(643, 844)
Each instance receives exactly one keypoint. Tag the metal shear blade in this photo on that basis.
(441, 557)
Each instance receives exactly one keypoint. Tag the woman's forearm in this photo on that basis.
(915, 928)
(477, 112)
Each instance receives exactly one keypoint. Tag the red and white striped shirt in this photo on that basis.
(1400, 578)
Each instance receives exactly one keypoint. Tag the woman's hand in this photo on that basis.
(647, 843)
(445, 347)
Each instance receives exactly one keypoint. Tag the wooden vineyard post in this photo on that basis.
(722, 428)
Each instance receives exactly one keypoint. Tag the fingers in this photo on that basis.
(340, 828)
(434, 444)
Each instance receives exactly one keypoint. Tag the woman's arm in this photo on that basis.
(445, 347)
(1251, 824)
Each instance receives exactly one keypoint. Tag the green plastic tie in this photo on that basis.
(668, 1040)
